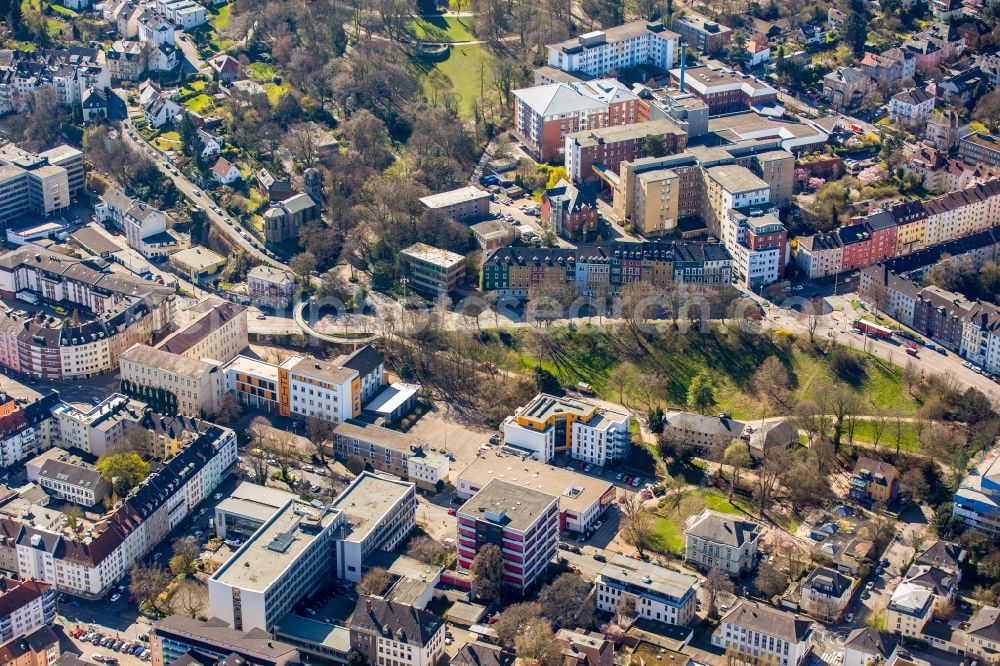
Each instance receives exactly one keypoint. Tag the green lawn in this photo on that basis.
(260, 71)
(65, 11)
(199, 103)
(193, 87)
(670, 524)
(908, 442)
(592, 353)
(274, 92)
(469, 68)
(442, 29)
(220, 21)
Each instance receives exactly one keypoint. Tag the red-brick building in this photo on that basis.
(610, 146)
(544, 115)
(569, 210)
(724, 92)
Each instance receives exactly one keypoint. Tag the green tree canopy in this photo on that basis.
(701, 392)
(124, 470)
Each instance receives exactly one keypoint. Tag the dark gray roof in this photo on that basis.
(720, 528)
(399, 622)
(256, 642)
(769, 621)
(936, 580)
(76, 475)
(833, 582)
(364, 361)
(986, 623)
(869, 641)
(482, 654)
(943, 554)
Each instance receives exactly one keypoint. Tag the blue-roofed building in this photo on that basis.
(977, 500)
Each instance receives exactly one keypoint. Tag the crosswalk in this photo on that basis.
(829, 655)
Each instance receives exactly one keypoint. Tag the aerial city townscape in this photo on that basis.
(500, 332)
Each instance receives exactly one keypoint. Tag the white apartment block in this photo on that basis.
(69, 72)
(25, 605)
(98, 429)
(73, 482)
(602, 439)
(909, 610)
(759, 632)
(659, 594)
(720, 541)
(981, 337)
(89, 567)
(912, 108)
(324, 389)
(603, 52)
(145, 228)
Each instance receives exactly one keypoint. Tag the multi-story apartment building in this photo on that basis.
(874, 480)
(406, 456)
(570, 210)
(548, 425)
(68, 72)
(610, 146)
(38, 648)
(980, 148)
(286, 559)
(984, 634)
(395, 634)
(867, 646)
(759, 632)
(25, 427)
(25, 605)
(216, 330)
(545, 115)
(659, 594)
(909, 227)
(378, 513)
(187, 386)
(176, 635)
(889, 67)
(760, 250)
(605, 270)
(74, 482)
(99, 429)
(523, 523)
(909, 610)
(81, 285)
(88, 566)
(323, 389)
(582, 498)
(145, 228)
(720, 541)
(724, 91)
(912, 108)
(270, 287)
(702, 33)
(432, 271)
(30, 183)
(706, 433)
(657, 194)
(977, 500)
(825, 593)
(605, 52)
(465, 203)
(305, 386)
(981, 337)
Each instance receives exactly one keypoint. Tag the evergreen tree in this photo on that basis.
(855, 33)
(189, 136)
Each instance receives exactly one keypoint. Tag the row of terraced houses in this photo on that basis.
(901, 230)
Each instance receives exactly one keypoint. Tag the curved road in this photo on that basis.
(328, 337)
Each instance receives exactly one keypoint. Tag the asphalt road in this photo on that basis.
(231, 229)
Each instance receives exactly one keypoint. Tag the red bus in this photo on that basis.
(872, 328)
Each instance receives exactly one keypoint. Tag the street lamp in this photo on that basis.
(404, 282)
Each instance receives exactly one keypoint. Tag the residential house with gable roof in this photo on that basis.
(760, 632)
(866, 646)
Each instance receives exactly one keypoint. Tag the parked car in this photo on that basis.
(115, 597)
(599, 558)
